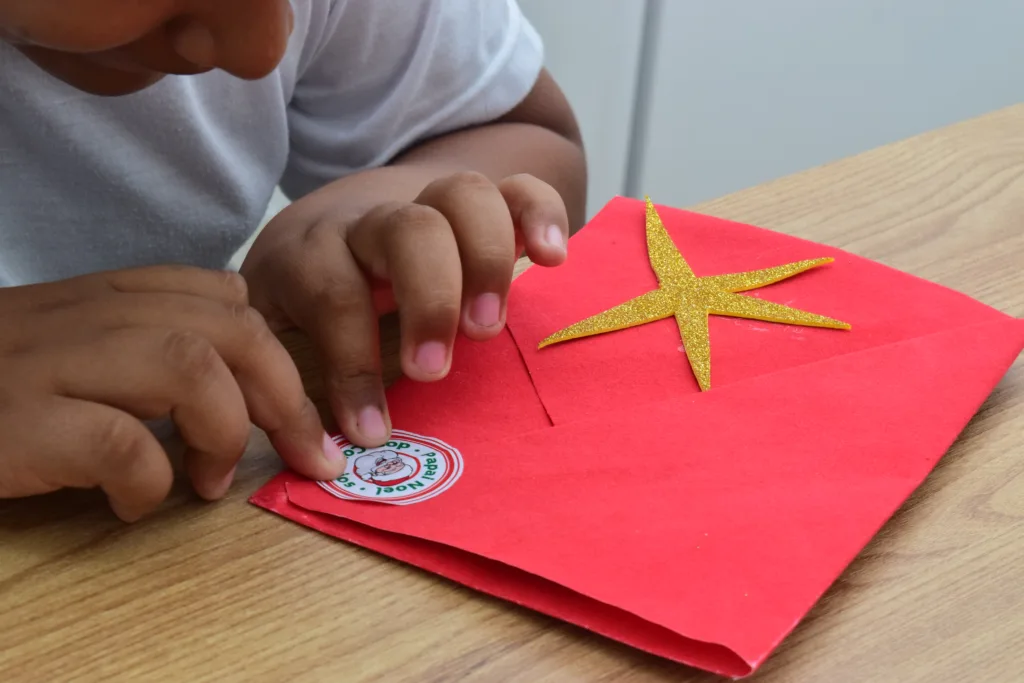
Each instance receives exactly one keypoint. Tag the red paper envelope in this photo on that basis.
(595, 482)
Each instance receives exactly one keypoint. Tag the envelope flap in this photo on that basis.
(608, 264)
(487, 393)
(722, 516)
(507, 582)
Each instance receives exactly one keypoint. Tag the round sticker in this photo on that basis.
(408, 469)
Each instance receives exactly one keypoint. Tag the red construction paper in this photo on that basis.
(609, 264)
(700, 527)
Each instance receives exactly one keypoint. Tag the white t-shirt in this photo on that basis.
(182, 172)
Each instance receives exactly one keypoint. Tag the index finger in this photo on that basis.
(331, 300)
(274, 394)
(266, 374)
(413, 246)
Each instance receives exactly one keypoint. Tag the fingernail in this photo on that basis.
(431, 357)
(331, 450)
(486, 310)
(371, 423)
(124, 512)
(195, 44)
(554, 238)
(220, 489)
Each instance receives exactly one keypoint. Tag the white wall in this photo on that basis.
(744, 91)
(748, 91)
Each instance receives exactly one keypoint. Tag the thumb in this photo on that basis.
(67, 443)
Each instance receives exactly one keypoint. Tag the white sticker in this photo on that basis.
(407, 469)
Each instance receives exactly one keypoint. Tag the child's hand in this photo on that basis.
(83, 361)
(445, 259)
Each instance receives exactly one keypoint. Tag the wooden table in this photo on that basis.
(229, 592)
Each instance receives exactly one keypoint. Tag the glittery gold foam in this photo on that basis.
(691, 299)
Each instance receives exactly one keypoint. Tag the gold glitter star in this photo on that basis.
(691, 299)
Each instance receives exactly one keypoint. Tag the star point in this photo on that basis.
(691, 300)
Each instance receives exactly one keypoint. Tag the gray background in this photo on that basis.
(738, 92)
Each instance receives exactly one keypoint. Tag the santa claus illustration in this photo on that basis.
(385, 468)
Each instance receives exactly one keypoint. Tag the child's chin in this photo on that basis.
(113, 84)
(111, 88)
(90, 76)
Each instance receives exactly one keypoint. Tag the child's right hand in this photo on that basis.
(84, 361)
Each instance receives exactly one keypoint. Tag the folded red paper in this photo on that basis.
(600, 486)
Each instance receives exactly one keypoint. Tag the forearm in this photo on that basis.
(539, 137)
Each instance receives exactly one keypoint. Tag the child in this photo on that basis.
(421, 141)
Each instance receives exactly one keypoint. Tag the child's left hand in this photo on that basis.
(444, 260)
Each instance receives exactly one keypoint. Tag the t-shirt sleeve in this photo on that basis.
(388, 73)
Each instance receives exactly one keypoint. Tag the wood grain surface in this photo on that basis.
(228, 592)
